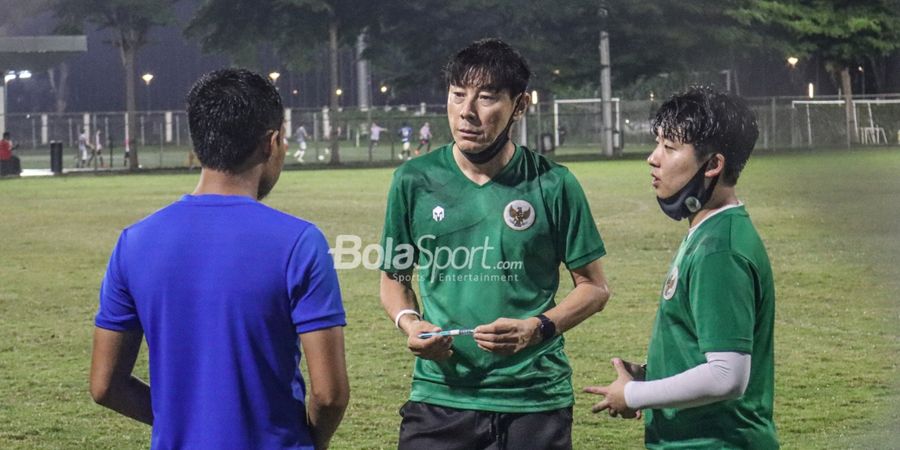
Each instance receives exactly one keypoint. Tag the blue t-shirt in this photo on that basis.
(222, 286)
(405, 133)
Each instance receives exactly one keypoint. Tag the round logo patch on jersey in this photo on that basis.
(519, 215)
(671, 284)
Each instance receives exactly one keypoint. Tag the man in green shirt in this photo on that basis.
(488, 224)
(709, 378)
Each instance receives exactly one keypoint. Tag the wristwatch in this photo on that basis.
(548, 328)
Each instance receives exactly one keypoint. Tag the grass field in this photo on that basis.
(830, 221)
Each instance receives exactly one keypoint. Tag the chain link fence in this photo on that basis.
(162, 138)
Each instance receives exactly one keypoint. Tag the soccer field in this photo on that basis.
(830, 221)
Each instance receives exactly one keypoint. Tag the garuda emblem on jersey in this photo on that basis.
(671, 284)
(519, 215)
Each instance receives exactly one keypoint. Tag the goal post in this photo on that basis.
(582, 121)
(824, 122)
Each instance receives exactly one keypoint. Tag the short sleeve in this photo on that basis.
(577, 234)
(397, 229)
(722, 302)
(117, 309)
(313, 284)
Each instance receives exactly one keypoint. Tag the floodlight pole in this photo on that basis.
(605, 88)
(3, 105)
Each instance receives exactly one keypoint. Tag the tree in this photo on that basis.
(646, 38)
(292, 29)
(129, 22)
(841, 33)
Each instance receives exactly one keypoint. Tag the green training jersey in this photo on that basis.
(719, 296)
(486, 252)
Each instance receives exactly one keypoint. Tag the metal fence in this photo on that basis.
(163, 139)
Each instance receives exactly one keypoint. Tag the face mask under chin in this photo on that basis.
(690, 198)
(499, 142)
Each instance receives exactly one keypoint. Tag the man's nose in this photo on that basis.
(651, 159)
(467, 110)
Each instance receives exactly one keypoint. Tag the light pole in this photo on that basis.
(7, 77)
(147, 77)
(792, 61)
(862, 75)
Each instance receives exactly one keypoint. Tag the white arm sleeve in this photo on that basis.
(724, 376)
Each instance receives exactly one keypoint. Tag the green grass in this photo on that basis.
(830, 222)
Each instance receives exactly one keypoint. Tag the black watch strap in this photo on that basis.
(548, 328)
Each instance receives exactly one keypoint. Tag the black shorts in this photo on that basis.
(433, 427)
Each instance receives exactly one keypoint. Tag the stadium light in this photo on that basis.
(295, 92)
(339, 92)
(274, 76)
(792, 60)
(534, 97)
(147, 77)
(383, 89)
(812, 90)
(24, 75)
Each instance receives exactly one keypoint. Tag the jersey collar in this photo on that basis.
(711, 214)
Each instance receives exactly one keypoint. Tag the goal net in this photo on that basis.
(824, 122)
(579, 123)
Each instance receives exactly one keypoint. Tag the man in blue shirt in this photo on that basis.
(405, 132)
(222, 285)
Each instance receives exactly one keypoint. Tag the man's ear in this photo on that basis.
(521, 105)
(271, 144)
(715, 166)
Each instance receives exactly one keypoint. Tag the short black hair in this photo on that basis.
(491, 64)
(230, 112)
(5, 134)
(714, 122)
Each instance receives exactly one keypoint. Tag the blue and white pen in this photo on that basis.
(457, 332)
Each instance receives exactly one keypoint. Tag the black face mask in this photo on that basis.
(690, 198)
(492, 150)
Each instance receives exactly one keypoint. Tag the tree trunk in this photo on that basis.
(128, 50)
(847, 87)
(59, 86)
(333, 54)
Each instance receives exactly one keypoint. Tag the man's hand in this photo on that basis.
(508, 336)
(614, 393)
(437, 348)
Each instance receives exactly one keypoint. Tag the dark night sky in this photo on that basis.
(96, 77)
(97, 81)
